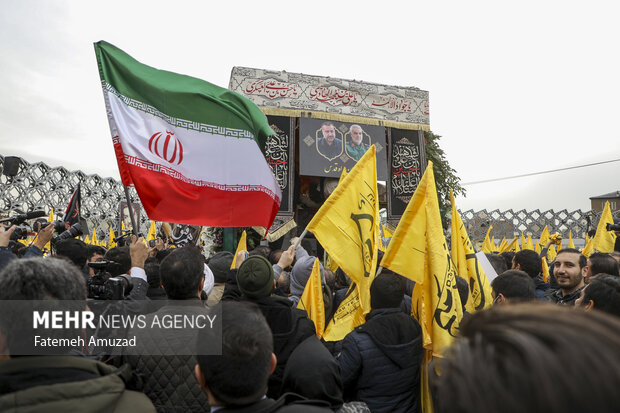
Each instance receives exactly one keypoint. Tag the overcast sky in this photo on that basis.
(514, 89)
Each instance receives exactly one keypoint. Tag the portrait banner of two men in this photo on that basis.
(326, 147)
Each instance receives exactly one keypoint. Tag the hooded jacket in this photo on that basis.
(289, 327)
(67, 384)
(300, 273)
(380, 362)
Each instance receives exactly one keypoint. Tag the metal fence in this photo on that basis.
(37, 186)
(507, 224)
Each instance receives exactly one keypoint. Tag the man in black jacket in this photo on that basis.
(165, 359)
(236, 380)
(380, 360)
(56, 382)
(289, 325)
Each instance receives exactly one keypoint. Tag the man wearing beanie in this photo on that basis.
(380, 360)
(289, 326)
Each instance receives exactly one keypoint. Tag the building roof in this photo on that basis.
(607, 196)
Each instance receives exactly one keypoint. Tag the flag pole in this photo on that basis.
(303, 234)
(130, 209)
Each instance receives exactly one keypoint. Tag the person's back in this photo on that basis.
(380, 360)
(289, 326)
(165, 361)
(236, 380)
(63, 383)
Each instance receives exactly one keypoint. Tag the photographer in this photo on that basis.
(35, 250)
(129, 261)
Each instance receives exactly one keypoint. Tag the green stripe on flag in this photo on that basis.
(179, 96)
(177, 122)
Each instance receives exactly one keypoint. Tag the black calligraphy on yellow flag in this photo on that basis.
(347, 225)
(418, 250)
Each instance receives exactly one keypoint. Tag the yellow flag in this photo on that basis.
(111, 242)
(588, 249)
(512, 246)
(542, 241)
(419, 252)
(502, 245)
(530, 243)
(347, 225)
(545, 270)
(551, 253)
(487, 246)
(467, 265)
(386, 231)
(348, 316)
(523, 242)
(94, 240)
(603, 240)
(87, 240)
(152, 234)
(241, 246)
(330, 264)
(571, 244)
(312, 299)
(50, 218)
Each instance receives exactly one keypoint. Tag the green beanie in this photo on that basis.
(255, 277)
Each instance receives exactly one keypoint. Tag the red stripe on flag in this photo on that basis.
(120, 159)
(170, 200)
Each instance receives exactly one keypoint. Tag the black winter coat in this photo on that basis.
(380, 362)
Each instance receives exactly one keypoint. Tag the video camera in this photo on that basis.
(21, 231)
(74, 230)
(102, 286)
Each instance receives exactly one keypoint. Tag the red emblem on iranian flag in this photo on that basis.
(168, 148)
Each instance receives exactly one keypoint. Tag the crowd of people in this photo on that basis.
(542, 346)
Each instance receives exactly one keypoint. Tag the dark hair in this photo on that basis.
(239, 376)
(530, 262)
(261, 250)
(74, 249)
(151, 268)
(498, 263)
(583, 261)
(32, 280)
(121, 261)
(41, 279)
(604, 291)
(531, 358)
(601, 262)
(515, 285)
(463, 287)
(274, 256)
(284, 282)
(330, 279)
(181, 272)
(161, 254)
(507, 256)
(95, 249)
(342, 279)
(386, 291)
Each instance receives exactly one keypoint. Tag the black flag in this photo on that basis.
(72, 214)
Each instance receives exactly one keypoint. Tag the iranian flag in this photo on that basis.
(191, 149)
